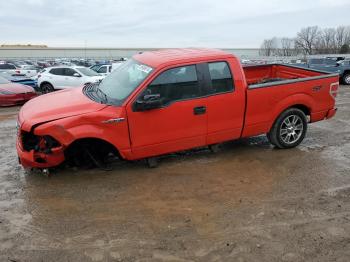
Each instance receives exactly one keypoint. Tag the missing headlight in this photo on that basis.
(38, 143)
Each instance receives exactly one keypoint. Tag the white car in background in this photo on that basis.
(14, 70)
(106, 69)
(102, 69)
(62, 77)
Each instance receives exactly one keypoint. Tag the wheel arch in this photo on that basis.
(45, 82)
(302, 102)
(95, 141)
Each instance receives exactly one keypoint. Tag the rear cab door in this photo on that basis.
(226, 102)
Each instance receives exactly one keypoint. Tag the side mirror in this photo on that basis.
(76, 75)
(148, 102)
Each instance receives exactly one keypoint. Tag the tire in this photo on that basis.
(289, 129)
(46, 88)
(346, 78)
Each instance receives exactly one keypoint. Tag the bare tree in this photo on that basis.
(310, 40)
(287, 46)
(326, 42)
(268, 47)
(342, 36)
(307, 39)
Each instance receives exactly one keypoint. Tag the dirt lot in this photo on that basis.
(249, 202)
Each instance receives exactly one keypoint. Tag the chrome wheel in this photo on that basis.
(347, 79)
(291, 129)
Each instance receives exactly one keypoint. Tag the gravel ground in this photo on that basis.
(249, 202)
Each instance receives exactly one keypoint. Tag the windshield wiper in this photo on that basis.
(98, 90)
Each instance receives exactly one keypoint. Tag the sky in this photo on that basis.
(163, 23)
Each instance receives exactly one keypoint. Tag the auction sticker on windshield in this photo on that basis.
(144, 68)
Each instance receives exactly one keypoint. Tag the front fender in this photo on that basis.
(93, 125)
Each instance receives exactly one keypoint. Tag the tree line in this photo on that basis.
(309, 41)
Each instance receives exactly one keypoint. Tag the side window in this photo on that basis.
(176, 84)
(69, 72)
(7, 66)
(57, 71)
(94, 67)
(110, 69)
(102, 69)
(221, 78)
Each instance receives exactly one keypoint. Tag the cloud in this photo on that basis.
(163, 23)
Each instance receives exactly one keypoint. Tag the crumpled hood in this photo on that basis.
(16, 88)
(56, 105)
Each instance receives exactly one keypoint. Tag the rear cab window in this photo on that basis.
(221, 78)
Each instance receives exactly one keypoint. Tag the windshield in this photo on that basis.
(94, 67)
(87, 71)
(3, 80)
(124, 80)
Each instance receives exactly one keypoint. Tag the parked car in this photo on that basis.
(14, 93)
(102, 69)
(63, 77)
(11, 68)
(20, 79)
(343, 69)
(333, 65)
(167, 101)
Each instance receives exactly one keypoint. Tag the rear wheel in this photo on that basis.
(289, 129)
(46, 88)
(346, 78)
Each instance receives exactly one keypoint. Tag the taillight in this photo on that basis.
(333, 90)
(18, 71)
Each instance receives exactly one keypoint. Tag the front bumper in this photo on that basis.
(34, 159)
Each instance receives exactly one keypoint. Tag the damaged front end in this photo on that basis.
(39, 151)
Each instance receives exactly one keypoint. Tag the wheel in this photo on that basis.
(152, 162)
(46, 88)
(289, 129)
(214, 148)
(346, 78)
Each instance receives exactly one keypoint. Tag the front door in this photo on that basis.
(180, 123)
(70, 80)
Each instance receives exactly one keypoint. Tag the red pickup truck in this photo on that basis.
(166, 101)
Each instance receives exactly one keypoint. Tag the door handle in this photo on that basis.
(199, 110)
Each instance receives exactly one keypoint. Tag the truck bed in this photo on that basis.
(265, 75)
(273, 88)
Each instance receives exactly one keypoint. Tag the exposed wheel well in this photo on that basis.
(90, 151)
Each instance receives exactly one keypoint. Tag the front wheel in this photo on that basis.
(289, 129)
